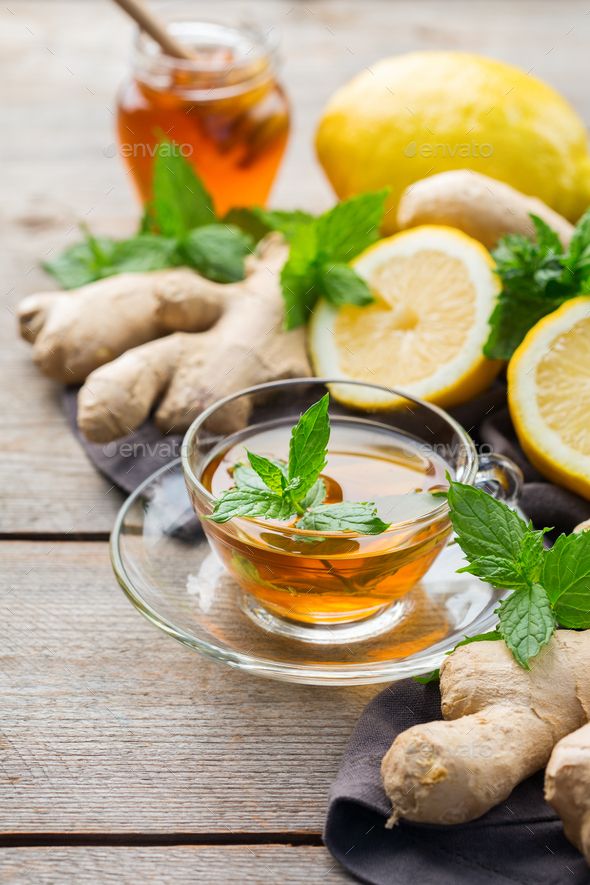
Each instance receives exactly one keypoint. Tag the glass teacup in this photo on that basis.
(385, 447)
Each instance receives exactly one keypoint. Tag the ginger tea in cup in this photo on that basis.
(395, 454)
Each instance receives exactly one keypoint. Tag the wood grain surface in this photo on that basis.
(251, 865)
(113, 727)
(117, 745)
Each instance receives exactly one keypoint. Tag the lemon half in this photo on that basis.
(549, 395)
(434, 290)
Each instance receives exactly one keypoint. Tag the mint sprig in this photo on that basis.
(321, 248)
(537, 276)
(495, 540)
(551, 587)
(279, 490)
(179, 227)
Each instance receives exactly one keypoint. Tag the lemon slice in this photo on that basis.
(549, 395)
(434, 290)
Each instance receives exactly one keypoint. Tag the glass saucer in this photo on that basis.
(165, 566)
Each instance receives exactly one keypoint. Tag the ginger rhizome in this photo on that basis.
(482, 207)
(183, 373)
(500, 725)
(226, 337)
(567, 786)
(74, 332)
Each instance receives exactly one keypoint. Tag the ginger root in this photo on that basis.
(482, 207)
(502, 723)
(76, 331)
(567, 787)
(186, 372)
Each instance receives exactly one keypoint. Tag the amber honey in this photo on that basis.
(224, 110)
(335, 578)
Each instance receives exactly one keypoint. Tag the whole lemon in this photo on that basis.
(422, 113)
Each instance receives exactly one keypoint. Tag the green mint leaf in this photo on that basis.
(98, 257)
(547, 240)
(308, 448)
(526, 623)
(286, 222)
(532, 554)
(566, 575)
(246, 478)
(100, 249)
(248, 222)
(298, 277)
(428, 678)
(269, 472)
(259, 222)
(512, 317)
(321, 243)
(78, 264)
(340, 284)
(142, 253)
(344, 517)
(491, 636)
(315, 496)
(351, 226)
(84, 262)
(580, 241)
(218, 252)
(537, 276)
(180, 202)
(490, 534)
(255, 503)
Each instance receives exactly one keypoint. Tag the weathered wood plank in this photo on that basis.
(188, 864)
(57, 113)
(109, 726)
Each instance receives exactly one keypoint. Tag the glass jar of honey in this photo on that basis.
(223, 108)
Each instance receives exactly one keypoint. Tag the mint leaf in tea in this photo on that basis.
(361, 517)
(282, 490)
(343, 480)
(291, 489)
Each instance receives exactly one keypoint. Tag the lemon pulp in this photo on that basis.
(424, 311)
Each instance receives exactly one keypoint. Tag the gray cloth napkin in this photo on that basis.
(518, 842)
(131, 459)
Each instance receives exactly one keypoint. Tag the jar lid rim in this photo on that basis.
(250, 44)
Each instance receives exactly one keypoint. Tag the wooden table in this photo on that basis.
(124, 756)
